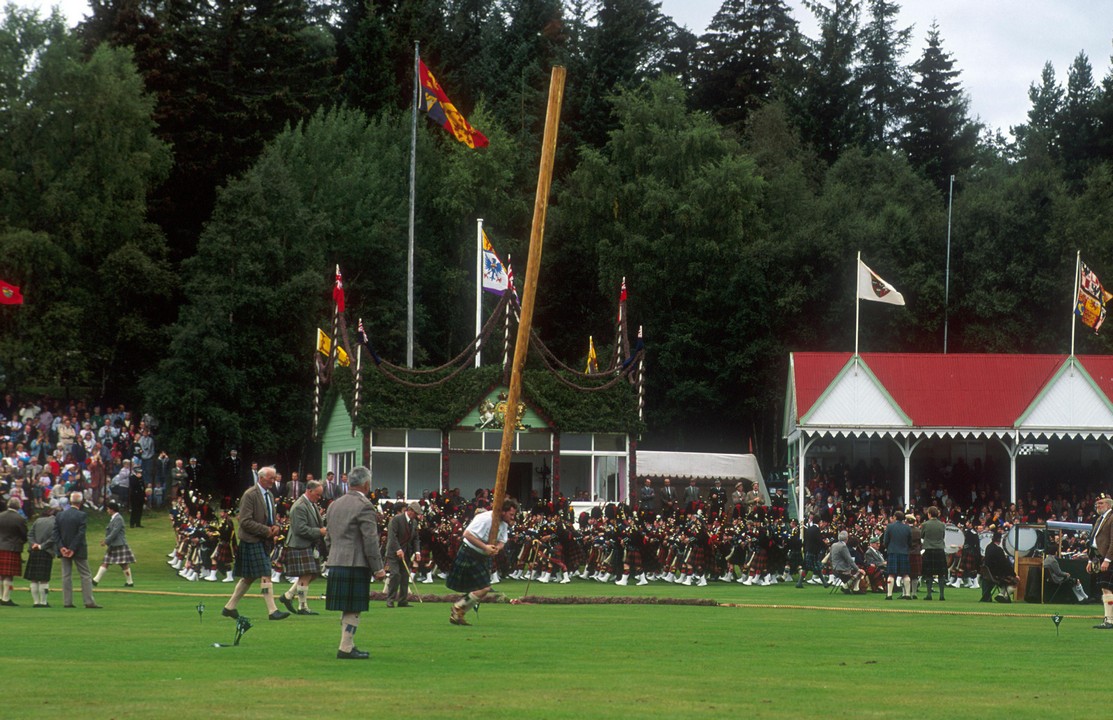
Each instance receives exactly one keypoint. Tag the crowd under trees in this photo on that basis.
(178, 179)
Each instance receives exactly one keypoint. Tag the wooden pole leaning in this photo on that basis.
(529, 292)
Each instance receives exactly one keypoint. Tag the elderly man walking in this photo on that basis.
(258, 528)
(353, 559)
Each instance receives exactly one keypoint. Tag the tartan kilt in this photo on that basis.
(349, 589)
(471, 571)
(760, 564)
(223, 554)
(915, 564)
(574, 555)
(252, 561)
(634, 556)
(11, 564)
(118, 555)
(898, 564)
(299, 561)
(971, 562)
(39, 565)
(698, 556)
(935, 563)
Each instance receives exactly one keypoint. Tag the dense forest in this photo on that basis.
(178, 179)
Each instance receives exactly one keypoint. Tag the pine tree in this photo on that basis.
(885, 82)
(939, 138)
(829, 110)
(1078, 121)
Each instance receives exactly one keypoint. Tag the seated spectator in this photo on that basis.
(998, 571)
(1057, 576)
(843, 565)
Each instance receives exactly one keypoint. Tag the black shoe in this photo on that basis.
(8, 603)
(847, 591)
(928, 597)
(1105, 625)
(941, 598)
(306, 611)
(288, 603)
(95, 583)
(94, 606)
(1002, 599)
(390, 603)
(985, 599)
(278, 615)
(233, 613)
(888, 597)
(69, 606)
(353, 654)
(402, 604)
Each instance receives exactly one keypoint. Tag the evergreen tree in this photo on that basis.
(829, 109)
(742, 57)
(939, 138)
(1078, 121)
(885, 81)
(1038, 137)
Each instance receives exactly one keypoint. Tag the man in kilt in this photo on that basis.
(915, 557)
(1101, 554)
(934, 534)
(40, 558)
(304, 542)
(258, 528)
(13, 534)
(471, 572)
(897, 541)
(353, 559)
(115, 542)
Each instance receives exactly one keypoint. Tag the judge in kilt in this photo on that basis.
(1101, 555)
(40, 558)
(353, 559)
(934, 534)
(13, 534)
(258, 528)
(116, 542)
(304, 543)
(401, 540)
(471, 571)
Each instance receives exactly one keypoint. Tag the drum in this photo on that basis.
(953, 539)
(985, 537)
(1021, 541)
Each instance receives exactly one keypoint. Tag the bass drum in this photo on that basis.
(1021, 541)
(985, 537)
(953, 539)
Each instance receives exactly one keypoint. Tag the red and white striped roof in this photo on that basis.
(1025, 396)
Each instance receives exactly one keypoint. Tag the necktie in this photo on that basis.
(1101, 521)
(270, 506)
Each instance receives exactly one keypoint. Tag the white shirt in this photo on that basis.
(480, 526)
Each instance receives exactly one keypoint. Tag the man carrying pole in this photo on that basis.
(471, 573)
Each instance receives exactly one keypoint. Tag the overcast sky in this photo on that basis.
(999, 45)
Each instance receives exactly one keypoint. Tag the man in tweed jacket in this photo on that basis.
(307, 533)
(1101, 555)
(401, 540)
(353, 558)
(257, 530)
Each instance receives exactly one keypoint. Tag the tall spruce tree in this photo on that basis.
(1078, 121)
(938, 136)
(885, 81)
(829, 108)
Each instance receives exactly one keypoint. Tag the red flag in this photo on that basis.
(9, 294)
(338, 291)
(440, 109)
(622, 292)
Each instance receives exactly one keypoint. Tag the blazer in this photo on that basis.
(401, 534)
(354, 533)
(42, 534)
(253, 516)
(114, 535)
(13, 531)
(69, 532)
(1102, 542)
(305, 524)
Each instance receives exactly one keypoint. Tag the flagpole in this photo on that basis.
(478, 289)
(947, 277)
(1074, 297)
(529, 292)
(857, 300)
(359, 383)
(413, 192)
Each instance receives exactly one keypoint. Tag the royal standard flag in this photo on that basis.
(437, 105)
(1092, 298)
(495, 279)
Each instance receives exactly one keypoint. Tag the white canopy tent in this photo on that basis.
(728, 467)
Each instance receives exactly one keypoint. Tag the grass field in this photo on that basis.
(764, 652)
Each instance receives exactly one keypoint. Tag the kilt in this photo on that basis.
(223, 554)
(696, 555)
(811, 563)
(935, 563)
(349, 589)
(915, 564)
(971, 562)
(759, 565)
(471, 571)
(252, 561)
(299, 561)
(634, 557)
(39, 565)
(11, 564)
(898, 564)
(118, 555)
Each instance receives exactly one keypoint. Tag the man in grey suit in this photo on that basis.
(401, 540)
(69, 538)
(353, 559)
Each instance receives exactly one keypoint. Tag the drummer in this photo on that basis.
(933, 534)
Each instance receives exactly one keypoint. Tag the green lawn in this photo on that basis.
(769, 652)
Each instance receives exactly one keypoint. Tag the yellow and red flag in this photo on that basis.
(444, 113)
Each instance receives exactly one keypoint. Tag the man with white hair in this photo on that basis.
(69, 538)
(842, 562)
(258, 528)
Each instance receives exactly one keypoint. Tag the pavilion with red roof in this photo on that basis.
(889, 403)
